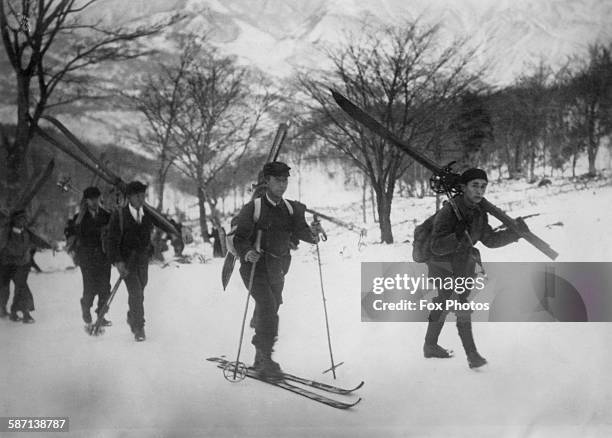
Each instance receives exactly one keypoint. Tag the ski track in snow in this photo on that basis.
(543, 379)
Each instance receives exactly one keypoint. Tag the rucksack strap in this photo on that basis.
(257, 209)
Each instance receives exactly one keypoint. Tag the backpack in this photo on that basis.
(421, 244)
(229, 238)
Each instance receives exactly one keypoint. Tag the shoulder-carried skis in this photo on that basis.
(95, 165)
(443, 175)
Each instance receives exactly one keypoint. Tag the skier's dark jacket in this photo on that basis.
(279, 227)
(89, 231)
(15, 248)
(446, 247)
(135, 241)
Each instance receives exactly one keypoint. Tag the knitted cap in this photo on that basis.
(91, 193)
(473, 173)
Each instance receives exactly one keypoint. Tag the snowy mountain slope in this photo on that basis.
(544, 379)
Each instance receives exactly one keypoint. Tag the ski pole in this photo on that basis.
(246, 307)
(95, 328)
(323, 237)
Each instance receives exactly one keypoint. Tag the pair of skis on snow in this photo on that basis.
(302, 386)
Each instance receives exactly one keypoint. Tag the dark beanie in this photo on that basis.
(91, 193)
(276, 168)
(473, 173)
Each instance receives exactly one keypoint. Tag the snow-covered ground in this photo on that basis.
(544, 379)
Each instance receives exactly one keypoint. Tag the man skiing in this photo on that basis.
(454, 256)
(282, 224)
(87, 228)
(129, 249)
(15, 254)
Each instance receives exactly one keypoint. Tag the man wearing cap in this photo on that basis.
(129, 250)
(454, 256)
(87, 227)
(282, 224)
(15, 253)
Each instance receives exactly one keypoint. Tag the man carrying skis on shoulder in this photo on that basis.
(454, 256)
(282, 224)
(87, 228)
(129, 249)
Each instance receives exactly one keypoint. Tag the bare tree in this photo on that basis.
(52, 51)
(219, 120)
(592, 100)
(404, 77)
(160, 99)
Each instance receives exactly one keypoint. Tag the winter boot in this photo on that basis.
(265, 367)
(464, 328)
(14, 317)
(431, 347)
(475, 360)
(436, 351)
(3, 312)
(139, 334)
(105, 322)
(85, 313)
(27, 318)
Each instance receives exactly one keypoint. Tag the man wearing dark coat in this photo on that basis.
(87, 227)
(129, 249)
(16, 244)
(454, 256)
(282, 225)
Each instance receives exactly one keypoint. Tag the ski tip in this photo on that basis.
(350, 405)
(336, 95)
(359, 386)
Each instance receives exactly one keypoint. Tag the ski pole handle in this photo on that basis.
(318, 228)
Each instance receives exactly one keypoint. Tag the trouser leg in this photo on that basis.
(135, 283)
(23, 300)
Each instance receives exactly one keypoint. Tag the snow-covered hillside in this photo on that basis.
(544, 379)
(276, 35)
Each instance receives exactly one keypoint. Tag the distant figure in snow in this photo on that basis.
(453, 256)
(15, 262)
(282, 224)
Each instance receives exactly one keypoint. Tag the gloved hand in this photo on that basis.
(521, 225)
(317, 231)
(460, 229)
(252, 256)
(123, 270)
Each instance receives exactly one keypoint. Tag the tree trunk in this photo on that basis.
(214, 212)
(592, 154)
(517, 161)
(372, 199)
(162, 172)
(574, 160)
(364, 199)
(202, 207)
(17, 152)
(383, 203)
(532, 157)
